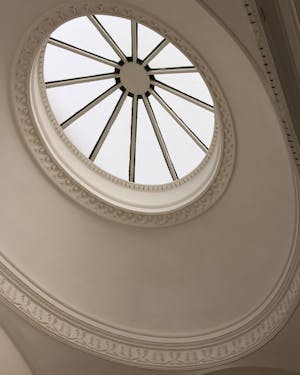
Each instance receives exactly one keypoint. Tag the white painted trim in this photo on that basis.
(70, 327)
(119, 200)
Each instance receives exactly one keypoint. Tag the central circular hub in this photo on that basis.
(134, 78)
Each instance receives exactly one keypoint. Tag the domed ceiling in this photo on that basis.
(193, 294)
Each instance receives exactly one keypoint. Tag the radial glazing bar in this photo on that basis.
(108, 126)
(89, 106)
(133, 138)
(179, 121)
(182, 95)
(183, 69)
(82, 52)
(107, 37)
(72, 81)
(160, 139)
(155, 52)
(134, 40)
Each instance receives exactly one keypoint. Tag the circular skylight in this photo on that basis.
(128, 99)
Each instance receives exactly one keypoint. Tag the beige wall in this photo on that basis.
(11, 361)
(253, 371)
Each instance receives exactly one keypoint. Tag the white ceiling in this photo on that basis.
(166, 282)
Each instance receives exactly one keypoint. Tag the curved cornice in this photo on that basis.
(273, 81)
(73, 329)
(76, 330)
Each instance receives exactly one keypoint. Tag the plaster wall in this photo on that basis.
(11, 361)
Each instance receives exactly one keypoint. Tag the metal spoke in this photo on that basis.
(89, 106)
(71, 81)
(191, 99)
(134, 40)
(133, 138)
(82, 52)
(154, 52)
(107, 37)
(108, 126)
(183, 69)
(159, 138)
(179, 121)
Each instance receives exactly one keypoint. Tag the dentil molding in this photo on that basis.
(273, 81)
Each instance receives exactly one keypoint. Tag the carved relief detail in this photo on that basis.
(143, 353)
(31, 47)
(75, 331)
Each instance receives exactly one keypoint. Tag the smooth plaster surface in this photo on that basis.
(172, 281)
(11, 361)
(79, 258)
(47, 356)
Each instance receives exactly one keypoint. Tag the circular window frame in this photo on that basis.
(141, 205)
(216, 141)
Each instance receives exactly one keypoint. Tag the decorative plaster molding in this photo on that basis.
(273, 80)
(98, 170)
(289, 13)
(73, 329)
(32, 46)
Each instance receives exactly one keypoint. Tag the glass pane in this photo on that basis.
(66, 100)
(62, 64)
(113, 156)
(81, 33)
(190, 83)
(170, 56)
(184, 152)
(85, 131)
(199, 120)
(150, 164)
(147, 40)
(120, 30)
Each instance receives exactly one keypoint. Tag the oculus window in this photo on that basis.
(128, 99)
